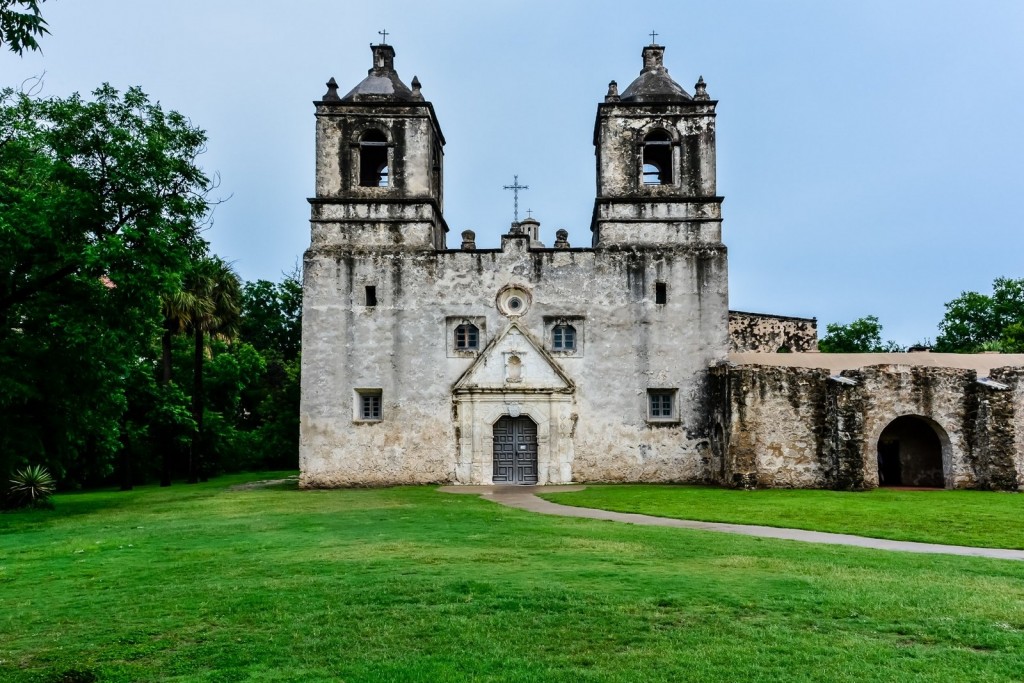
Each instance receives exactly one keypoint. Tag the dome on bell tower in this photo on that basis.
(382, 82)
(654, 84)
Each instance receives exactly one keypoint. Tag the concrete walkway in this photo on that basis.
(524, 498)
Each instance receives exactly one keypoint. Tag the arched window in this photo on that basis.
(373, 159)
(467, 337)
(657, 158)
(563, 338)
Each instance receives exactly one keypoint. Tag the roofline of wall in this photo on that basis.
(773, 315)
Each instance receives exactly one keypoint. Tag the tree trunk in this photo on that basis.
(165, 376)
(195, 459)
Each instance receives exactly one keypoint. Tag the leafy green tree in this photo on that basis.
(1012, 338)
(272, 315)
(101, 201)
(974, 322)
(863, 335)
(107, 189)
(21, 23)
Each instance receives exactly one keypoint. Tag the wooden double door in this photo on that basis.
(515, 451)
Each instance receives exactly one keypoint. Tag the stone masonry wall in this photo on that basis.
(1001, 461)
(764, 333)
(799, 427)
(776, 424)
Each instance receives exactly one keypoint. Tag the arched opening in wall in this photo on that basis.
(515, 450)
(657, 158)
(910, 453)
(373, 159)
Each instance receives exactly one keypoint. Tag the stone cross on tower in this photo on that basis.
(515, 187)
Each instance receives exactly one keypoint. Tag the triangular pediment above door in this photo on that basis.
(514, 361)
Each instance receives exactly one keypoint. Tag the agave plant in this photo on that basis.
(32, 486)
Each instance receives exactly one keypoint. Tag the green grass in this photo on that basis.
(975, 518)
(204, 583)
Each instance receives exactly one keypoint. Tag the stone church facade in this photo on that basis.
(618, 361)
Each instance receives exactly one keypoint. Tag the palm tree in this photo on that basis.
(179, 308)
(218, 294)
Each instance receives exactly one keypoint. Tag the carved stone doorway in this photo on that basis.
(515, 451)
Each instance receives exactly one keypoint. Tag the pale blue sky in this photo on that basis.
(870, 152)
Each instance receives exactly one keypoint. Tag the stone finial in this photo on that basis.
(700, 90)
(332, 91)
(561, 238)
(613, 92)
(416, 94)
(516, 229)
(468, 240)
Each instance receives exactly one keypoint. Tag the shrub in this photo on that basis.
(31, 487)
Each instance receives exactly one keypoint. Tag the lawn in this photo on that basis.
(977, 518)
(210, 583)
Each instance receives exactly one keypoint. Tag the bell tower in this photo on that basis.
(379, 165)
(655, 147)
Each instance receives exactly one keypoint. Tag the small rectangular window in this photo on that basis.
(467, 337)
(369, 404)
(661, 404)
(660, 293)
(564, 338)
(371, 295)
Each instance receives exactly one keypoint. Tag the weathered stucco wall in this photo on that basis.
(400, 346)
(384, 295)
(764, 333)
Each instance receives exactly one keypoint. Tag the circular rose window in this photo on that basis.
(513, 301)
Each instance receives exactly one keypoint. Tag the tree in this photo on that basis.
(271, 326)
(178, 308)
(104, 189)
(863, 335)
(19, 29)
(101, 202)
(217, 293)
(272, 315)
(975, 322)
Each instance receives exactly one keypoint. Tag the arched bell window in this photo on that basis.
(373, 160)
(657, 158)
